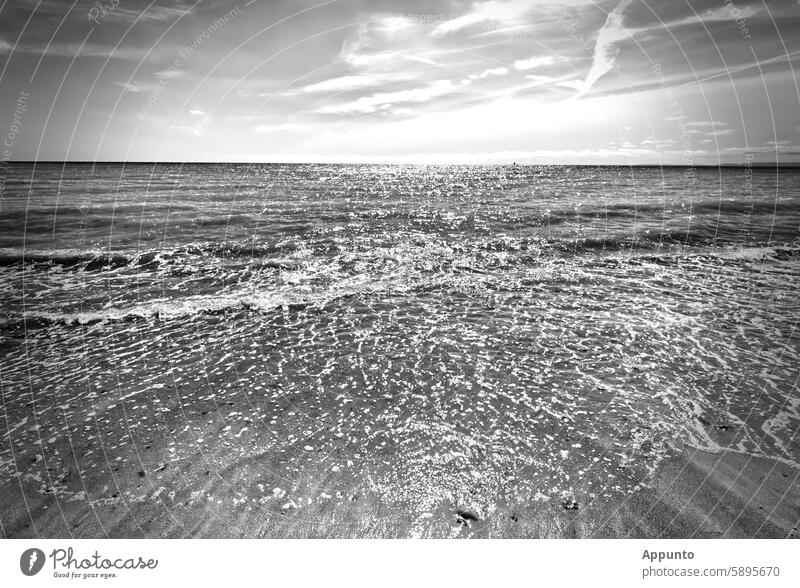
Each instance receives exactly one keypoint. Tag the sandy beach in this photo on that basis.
(694, 494)
(713, 495)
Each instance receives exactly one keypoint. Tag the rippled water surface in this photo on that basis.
(282, 340)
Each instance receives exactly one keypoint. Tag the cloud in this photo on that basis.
(605, 53)
(703, 127)
(341, 83)
(769, 148)
(384, 100)
(168, 74)
(152, 13)
(560, 82)
(496, 14)
(700, 124)
(532, 62)
(495, 71)
(196, 112)
(491, 11)
(728, 72)
(132, 87)
(718, 14)
(570, 84)
(540, 79)
(620, 155)
(487, 73)
(88, 50)
(420, 59)
(606, 48)
(362, 50)
(392, 24)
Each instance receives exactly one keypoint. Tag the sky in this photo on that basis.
(419, 81)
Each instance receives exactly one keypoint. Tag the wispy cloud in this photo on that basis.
(605, 50)
(341, 83)
(571, 84)
(150, 13)
(700, 124)
(392, 24)
(489, 73)
(385, 100)
(495, 15)
(490, 11)
(131, 87)
(533, 62)
(66, 49)
(540, 79)
(420, 59)
(168, 74)
(716, 14)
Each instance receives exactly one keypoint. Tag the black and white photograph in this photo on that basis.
(369, 269)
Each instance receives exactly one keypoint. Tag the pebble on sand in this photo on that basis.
(466, 517)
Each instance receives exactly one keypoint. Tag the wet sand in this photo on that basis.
(694, 494)
(726, 494)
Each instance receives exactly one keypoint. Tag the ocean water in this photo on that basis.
(289, 339)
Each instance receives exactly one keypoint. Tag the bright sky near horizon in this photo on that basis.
(485, 81)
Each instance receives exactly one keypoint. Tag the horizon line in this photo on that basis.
(512, 164)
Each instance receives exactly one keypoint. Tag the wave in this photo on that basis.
(161, 310)
(706, 206)
(96, 260)
(63, 257)
(640, 241)
(403, 272)
(293, 297)
(369, 254)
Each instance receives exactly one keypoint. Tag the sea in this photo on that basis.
(269, 340)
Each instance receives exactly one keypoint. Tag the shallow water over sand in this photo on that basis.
(306, 341)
